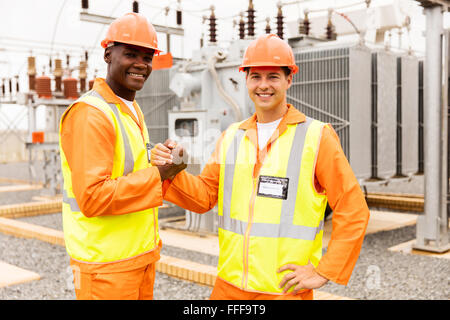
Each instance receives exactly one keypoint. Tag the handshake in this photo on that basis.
(170, 158)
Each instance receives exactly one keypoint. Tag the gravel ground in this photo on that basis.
(51, 262)
(378, 274)
(18, 197)
(382, 274)
(20, 171)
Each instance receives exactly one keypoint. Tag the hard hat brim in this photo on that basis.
(294, 68)
(105, 43)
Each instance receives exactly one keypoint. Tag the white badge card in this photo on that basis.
(273, 187)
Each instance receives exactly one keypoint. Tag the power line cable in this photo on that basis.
(56, 25)
(103, 28)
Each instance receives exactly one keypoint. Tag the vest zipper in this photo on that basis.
(247, 234)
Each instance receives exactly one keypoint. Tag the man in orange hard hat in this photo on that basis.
(272, 175)
(111, 191)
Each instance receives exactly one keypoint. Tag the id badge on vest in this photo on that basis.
(273, 187)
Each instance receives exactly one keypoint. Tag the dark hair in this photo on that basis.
(285, 69)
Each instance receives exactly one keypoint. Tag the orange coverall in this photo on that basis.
(90, 154)
(332, 173)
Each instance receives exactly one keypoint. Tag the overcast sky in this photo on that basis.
(53, 27)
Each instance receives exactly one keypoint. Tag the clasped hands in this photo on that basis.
(170, 158)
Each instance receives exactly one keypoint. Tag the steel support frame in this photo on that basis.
(51, 166)
(432, 227)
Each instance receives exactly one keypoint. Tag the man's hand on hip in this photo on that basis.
(301, 277)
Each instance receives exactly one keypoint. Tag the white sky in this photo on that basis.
(53, 27)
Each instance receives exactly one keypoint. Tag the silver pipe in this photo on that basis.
(219, 56)
(444, 229)
(432, 121)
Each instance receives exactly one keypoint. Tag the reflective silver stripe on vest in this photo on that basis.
(286, 227)
(129, 161)
(72, 202)
(293, 171)
(270, 230)
(230, 165)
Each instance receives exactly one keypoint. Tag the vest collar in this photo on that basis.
(292, 116)
(106, 92)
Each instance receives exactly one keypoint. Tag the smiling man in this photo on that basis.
(111, 191)
(272, 175)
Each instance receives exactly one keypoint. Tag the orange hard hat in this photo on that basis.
(132, 28)
(269, 50)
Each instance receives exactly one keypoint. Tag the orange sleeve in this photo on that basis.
(197, 193)
(350, 211)
(87, 139)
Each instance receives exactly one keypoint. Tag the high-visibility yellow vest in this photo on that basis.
(258, 233)
(107, 239)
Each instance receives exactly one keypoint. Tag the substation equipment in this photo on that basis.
(54, 93)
